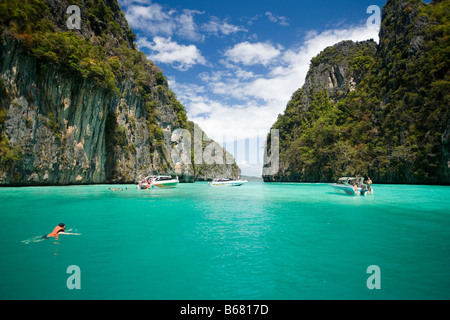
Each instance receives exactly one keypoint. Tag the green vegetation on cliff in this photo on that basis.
(105, 57)
(394, 125)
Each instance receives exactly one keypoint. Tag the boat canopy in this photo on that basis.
(343, 180)
(160, 177)
(163, 178)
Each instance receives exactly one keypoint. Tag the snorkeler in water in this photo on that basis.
(59, 229)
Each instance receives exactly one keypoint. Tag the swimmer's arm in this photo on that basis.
(77, 234)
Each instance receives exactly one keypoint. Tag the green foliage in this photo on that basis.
(120, 136)
(154, 131)
(8, 154)
(53, 125)
(26, 16)
(75, 55)
(3, 113)
(131, 148)
(179, 109)
(102, 60)
(330, 53)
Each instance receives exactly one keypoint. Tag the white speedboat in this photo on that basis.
(226, 183)
(352, 186)
(158, 181)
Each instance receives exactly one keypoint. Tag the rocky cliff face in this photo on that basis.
(85, 106)
(57, 122)
(375, 110)
(304, 128)
(334, 70)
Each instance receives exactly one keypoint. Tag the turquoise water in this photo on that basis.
(258, 241)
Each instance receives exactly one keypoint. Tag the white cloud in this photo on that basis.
(164, 50)
(252, 53)
(187, 28)
(156, 20)
(217, 27)
(283, 21)
(152, 19)
(237, 102)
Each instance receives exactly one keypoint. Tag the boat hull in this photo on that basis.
(227, 183)
(349, 190)
(345, 189)
(165, 184)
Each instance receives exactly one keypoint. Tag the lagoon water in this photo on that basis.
(257, 241)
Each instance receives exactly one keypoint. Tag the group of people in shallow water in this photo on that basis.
(118, 189)
(149, 181)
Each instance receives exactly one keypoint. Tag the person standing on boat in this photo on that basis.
(369, 184)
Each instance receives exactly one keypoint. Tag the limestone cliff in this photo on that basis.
(378, 110)
(84, 106)
(333, 74)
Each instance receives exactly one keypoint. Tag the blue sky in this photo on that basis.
(235, 64)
